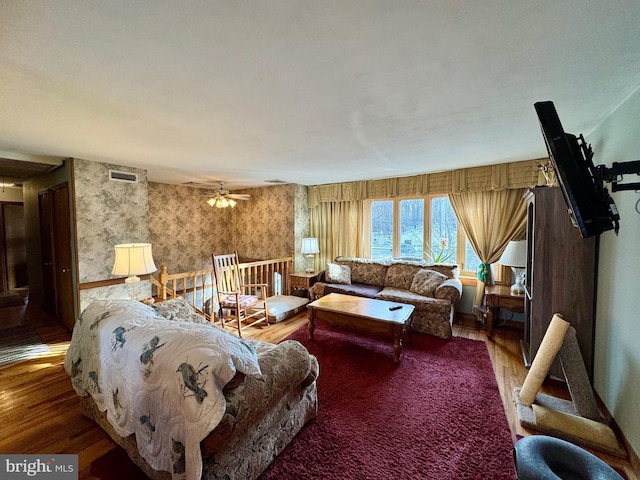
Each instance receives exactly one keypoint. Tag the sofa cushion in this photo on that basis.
(421, 302)
(392, 294)
(338, 273)
(400, 275)
(356, 289)
(425, 282)
(365, 270)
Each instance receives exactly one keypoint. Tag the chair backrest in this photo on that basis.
(227, 273)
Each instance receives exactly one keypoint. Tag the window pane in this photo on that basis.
(381, 228)
(471, 260)
(411, 228)
(444, 231)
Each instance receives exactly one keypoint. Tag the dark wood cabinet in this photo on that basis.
(561, 275)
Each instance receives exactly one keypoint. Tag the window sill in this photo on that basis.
(468, 280)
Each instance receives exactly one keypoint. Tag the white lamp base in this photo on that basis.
(310, 259)
(518, 287)
(133, 284)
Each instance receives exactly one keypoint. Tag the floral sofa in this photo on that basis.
(432, 288)
(260, 394)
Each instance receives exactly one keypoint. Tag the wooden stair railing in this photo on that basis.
(264, 271)
(198, 287)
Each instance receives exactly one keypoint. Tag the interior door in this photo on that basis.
(3, 255)
(46, 247)
(15, 246)
(62, 257)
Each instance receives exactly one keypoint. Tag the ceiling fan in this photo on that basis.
(222, 198)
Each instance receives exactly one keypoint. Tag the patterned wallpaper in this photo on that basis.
(107, 213)
(263, 227)
(182, 228)
(185, 230)
(302, 219)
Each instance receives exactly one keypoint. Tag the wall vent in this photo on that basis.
(127, 177)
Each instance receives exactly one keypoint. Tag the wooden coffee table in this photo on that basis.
(364, 314)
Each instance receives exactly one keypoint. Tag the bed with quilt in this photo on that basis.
(184, 398)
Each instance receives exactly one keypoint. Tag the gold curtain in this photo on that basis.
(338, 228)
(490, 219)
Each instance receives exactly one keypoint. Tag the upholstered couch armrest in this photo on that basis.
(317, 290)
(286, 366)
(450, 289)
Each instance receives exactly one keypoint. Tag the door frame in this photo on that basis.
(4, 280)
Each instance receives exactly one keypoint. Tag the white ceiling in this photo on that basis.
(308, 92)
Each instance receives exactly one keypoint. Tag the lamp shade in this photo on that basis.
(133, 259)
(515, 255)
(309, 246)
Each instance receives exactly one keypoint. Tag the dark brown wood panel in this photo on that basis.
(62, 255)
(46, 247)
(561, 267)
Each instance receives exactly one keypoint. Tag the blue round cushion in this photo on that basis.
(540, 457)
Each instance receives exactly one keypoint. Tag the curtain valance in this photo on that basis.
(478, 179)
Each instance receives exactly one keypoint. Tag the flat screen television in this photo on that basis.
(591, 208)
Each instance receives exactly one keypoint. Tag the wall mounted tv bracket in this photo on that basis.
(614, 174)
(602, 193)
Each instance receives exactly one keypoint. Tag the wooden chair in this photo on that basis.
(238, 302)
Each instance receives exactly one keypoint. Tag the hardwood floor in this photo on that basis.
(40, 411)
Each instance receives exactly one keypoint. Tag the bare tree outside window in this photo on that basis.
(441, 245)
(382, 229)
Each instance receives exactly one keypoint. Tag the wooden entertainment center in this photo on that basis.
(561, 275)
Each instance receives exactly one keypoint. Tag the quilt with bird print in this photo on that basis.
(159, 379)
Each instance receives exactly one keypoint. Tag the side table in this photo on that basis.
(497, 297)
(302, 280)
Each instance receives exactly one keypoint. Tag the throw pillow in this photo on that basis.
(178, 309)
(425, 282)
(338, 273)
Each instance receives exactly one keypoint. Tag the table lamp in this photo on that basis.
(515, 256)
(309, 249)
(133, 259)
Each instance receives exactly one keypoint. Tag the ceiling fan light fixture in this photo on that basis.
(221, 202)
(224, 199)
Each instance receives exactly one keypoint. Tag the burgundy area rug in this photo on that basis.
(436, 415)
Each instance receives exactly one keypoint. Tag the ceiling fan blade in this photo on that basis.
(239, 196)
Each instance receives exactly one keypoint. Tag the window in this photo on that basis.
(411, 228)
(381, 229)
(444, 231)
(399, 228)
(471, 260)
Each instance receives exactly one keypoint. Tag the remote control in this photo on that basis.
(395, 307)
